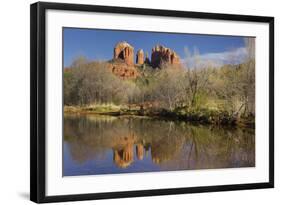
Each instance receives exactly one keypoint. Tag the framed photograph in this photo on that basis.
(129, 102)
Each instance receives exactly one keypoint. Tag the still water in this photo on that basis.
(107, 145)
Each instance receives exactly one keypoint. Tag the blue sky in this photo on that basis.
(97, 44)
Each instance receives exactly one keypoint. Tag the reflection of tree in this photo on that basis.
(216, 148)
(171, 145)
(167, 147)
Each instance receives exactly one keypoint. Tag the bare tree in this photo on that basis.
(168, 89)
(197, 76)
(236, 83)
(94, 83)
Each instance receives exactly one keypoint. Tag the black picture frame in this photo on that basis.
(38, 101)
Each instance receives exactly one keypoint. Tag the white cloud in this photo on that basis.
(234, 56)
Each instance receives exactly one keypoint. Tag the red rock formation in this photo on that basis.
(161, 54)
(124, 51)
(123, 70)
(140, 57)
(147, 61)
(123, 59)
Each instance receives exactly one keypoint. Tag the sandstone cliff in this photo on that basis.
(123, 59)
(140, 57)
(124, 51)
(123, 70)
(160, 55)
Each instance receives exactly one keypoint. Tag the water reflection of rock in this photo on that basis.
(170, 145)
(140, 151)
(123, 150)
(124, 156)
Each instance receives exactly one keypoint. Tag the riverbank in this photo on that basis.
(200, 116)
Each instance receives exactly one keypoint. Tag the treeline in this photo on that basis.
(88, 83)
(229, 88)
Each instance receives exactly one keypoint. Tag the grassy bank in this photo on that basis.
(200, 116)
(103, 109)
